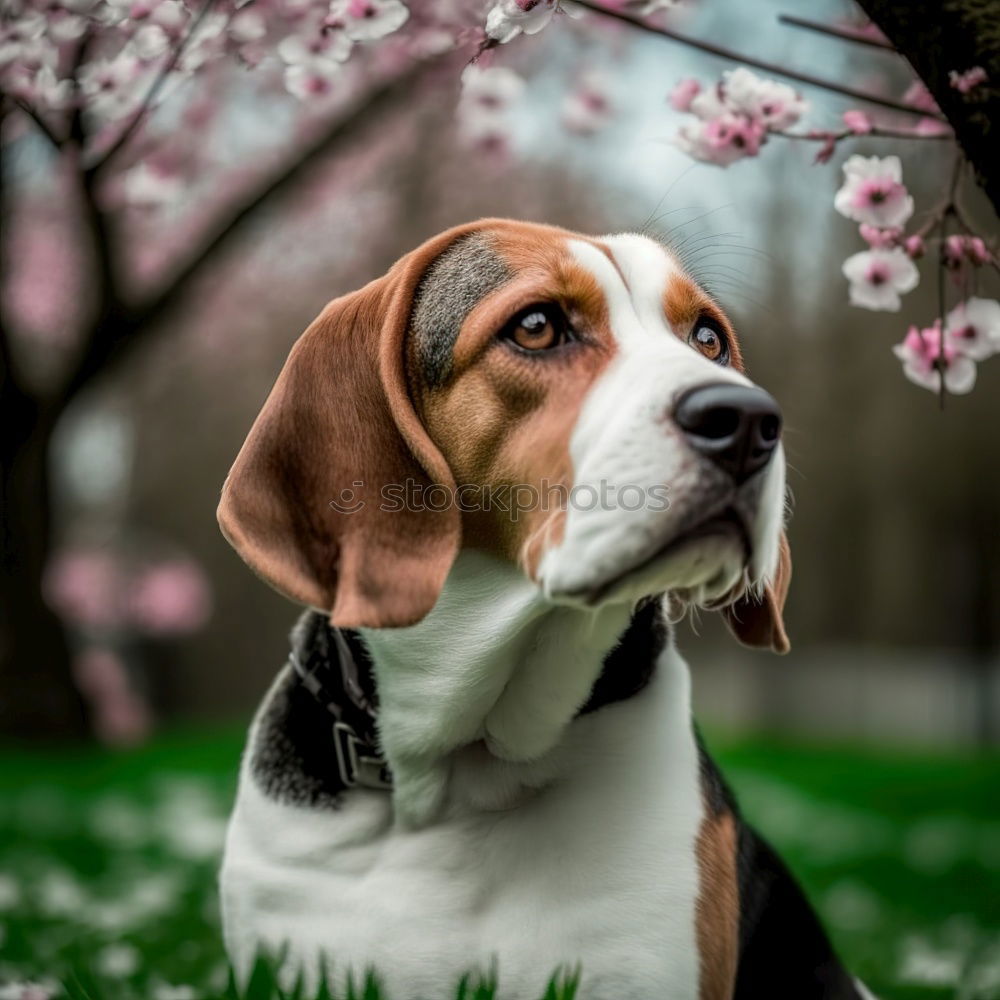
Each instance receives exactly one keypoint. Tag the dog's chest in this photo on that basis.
(597, 869)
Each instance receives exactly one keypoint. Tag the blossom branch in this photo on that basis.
(724, 53)
(42, 125)
(130, 326)
(845, 34)
(155, 87)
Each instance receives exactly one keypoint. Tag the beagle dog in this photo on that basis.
(495, 477)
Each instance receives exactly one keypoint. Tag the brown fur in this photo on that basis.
(718, 916)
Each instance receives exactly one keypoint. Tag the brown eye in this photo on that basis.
(538, 328)
(711, 341)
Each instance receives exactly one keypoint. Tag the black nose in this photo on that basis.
(736, 426)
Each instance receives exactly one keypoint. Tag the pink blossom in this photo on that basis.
(931, 126)
(170, 599)
(85, 587)
(311, 79)
(109, 85)
(973, 328)
(120, 716)
(923, 356)
(969, 80)
(773, 105)
(880, 238)
(914, 246)
(149, 42)
(487, 96)
(150, 186)
(918, 96)
(878, 278)
(873, 192)
(858, 122)
(587, 109)
(300, 49)
(683, 94)
(369, 20)
(247, 26)
(953, 251)
(493, 90)
(977, 251)
(722, 140)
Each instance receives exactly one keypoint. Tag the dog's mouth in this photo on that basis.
(726, 525)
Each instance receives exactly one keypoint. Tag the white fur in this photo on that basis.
(585, 855)
(624, 436)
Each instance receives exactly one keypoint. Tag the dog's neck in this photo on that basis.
(487, 683)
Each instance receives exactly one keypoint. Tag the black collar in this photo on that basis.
(334, 667)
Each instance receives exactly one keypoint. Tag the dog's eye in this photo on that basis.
(710, 340)
(538, 328)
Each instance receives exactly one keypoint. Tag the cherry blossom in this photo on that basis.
(775, 105)
(312, 78)
(969, 80)
(878, 277)
(109, 85)
(148, 186)
(722, 140)
(858, 122)
(509, 18)
(914, 246)
(588, 108)
(149, 42)
(873, 192)
(880, 238)
(170, 599)
(684, 92)
(369, 20)
(922, 355)
(487, 96)
(973, 328)
(735, 115)
(320, 43)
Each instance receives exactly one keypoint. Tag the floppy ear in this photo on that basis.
(758, 622)
(302, 504)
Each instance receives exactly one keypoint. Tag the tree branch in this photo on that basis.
(949, 35)
(132, 326)
(145, 104)
(844, 34)
(739, 57)
(40, 122)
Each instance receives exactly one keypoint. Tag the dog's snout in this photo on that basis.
(736, 426)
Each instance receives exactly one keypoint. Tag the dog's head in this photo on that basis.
(576, 406)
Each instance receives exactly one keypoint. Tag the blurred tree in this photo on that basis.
(90, 74)
(138, 100)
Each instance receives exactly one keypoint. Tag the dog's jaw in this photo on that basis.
(494, 663)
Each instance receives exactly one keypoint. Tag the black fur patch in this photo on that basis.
(293, 756)
(452, 287)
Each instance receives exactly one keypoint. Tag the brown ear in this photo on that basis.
(303, 502)
(759, 622)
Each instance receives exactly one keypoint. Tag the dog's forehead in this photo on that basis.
(481, 262)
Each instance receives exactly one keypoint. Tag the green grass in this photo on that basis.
(108, 865)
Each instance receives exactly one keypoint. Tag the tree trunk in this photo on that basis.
(38, 698)
(949, 35)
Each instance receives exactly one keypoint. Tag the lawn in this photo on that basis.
(108, 864)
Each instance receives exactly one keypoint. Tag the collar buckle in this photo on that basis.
(358, 762)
